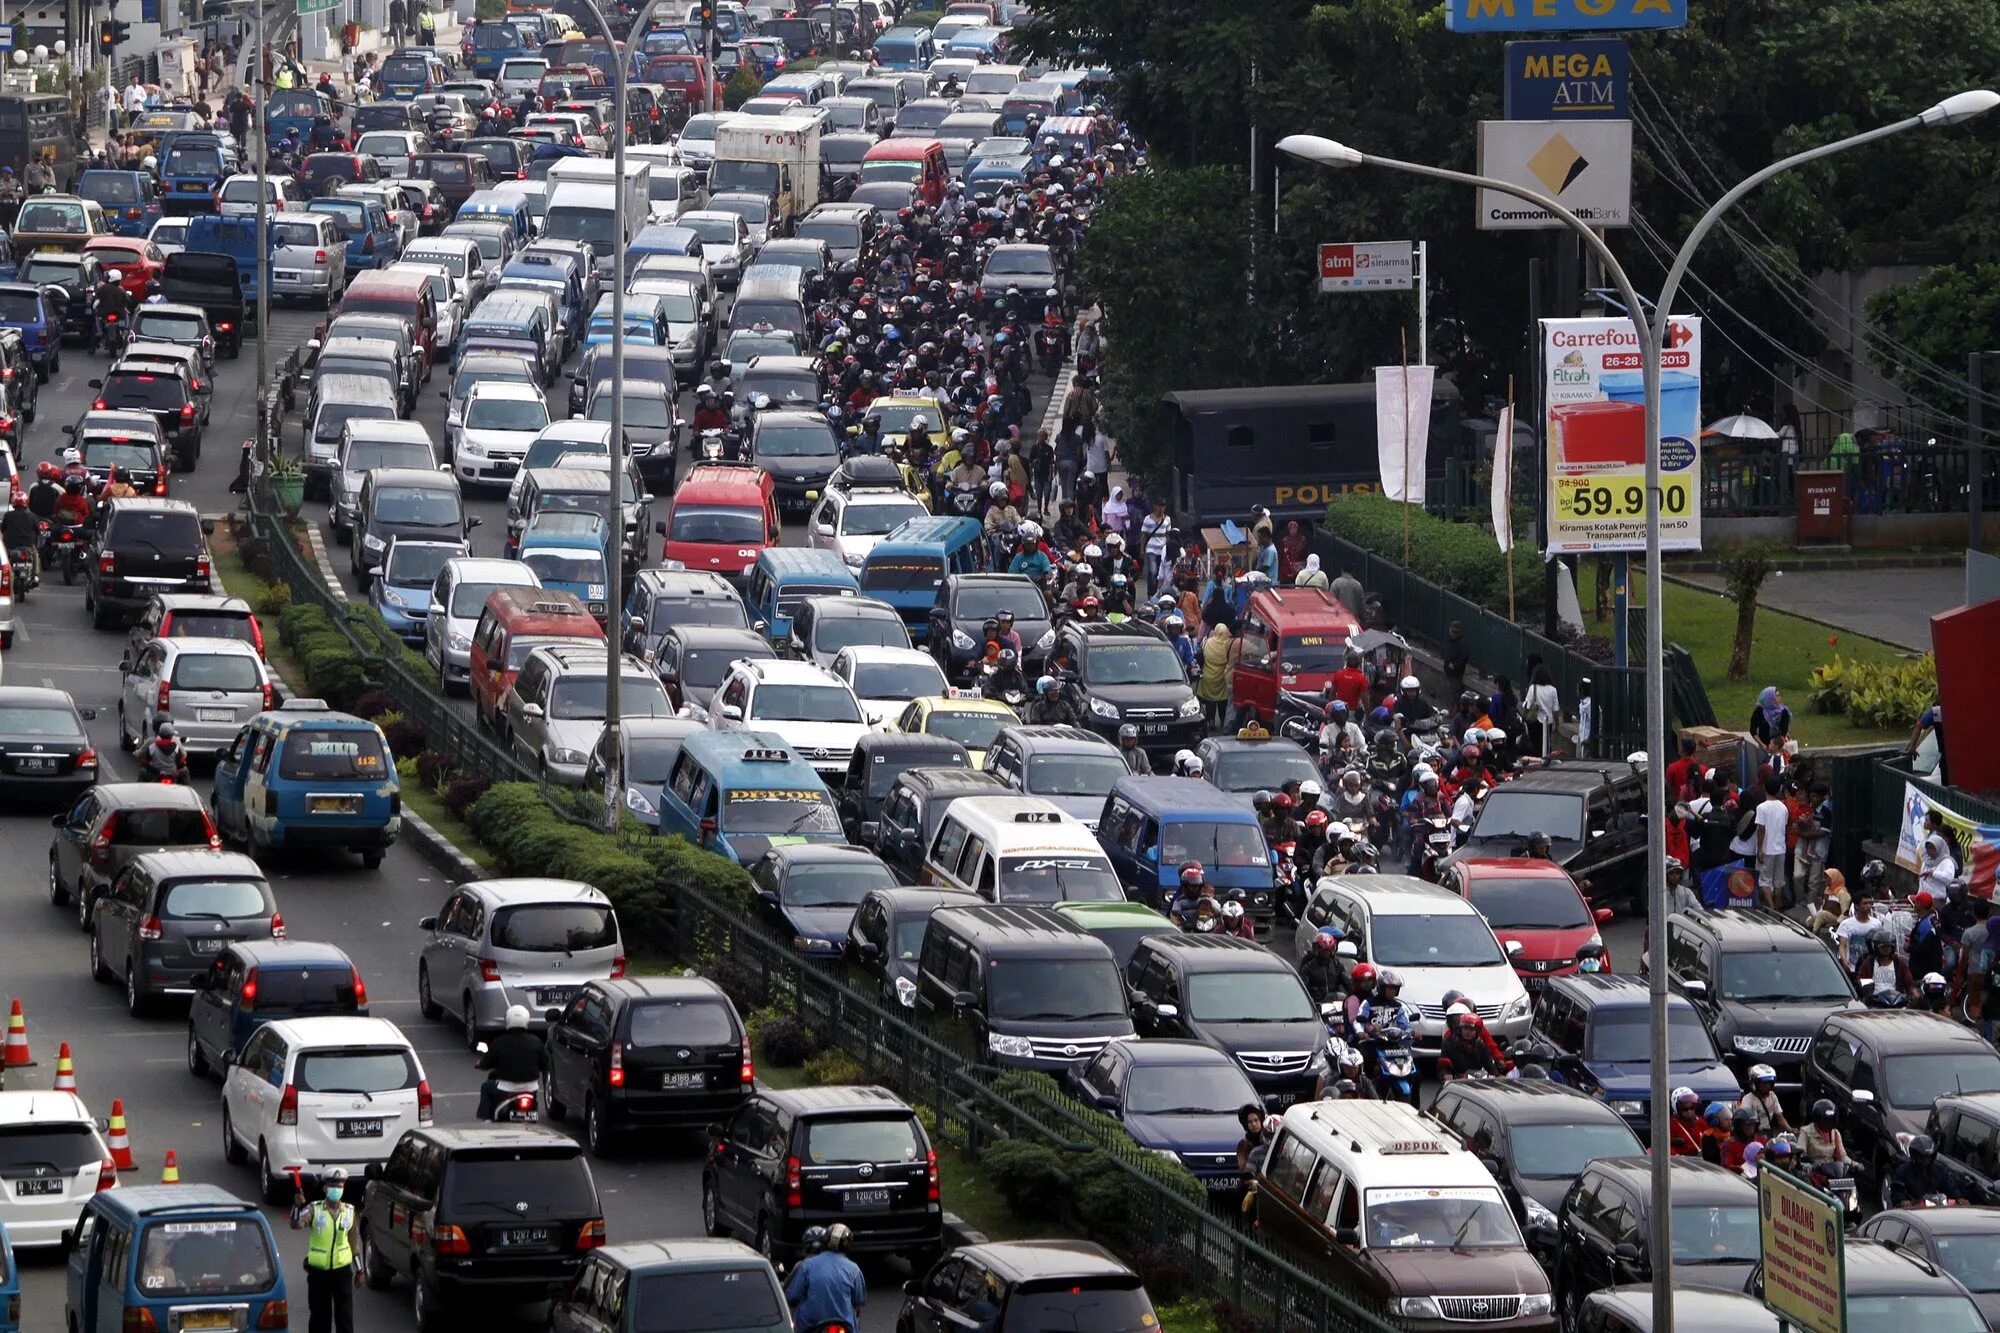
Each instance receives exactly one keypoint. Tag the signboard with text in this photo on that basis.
(1563, 15)
(1594, 433)
(1367, 266)
(1584, 165)
(1585, 79)
(1801, 1233)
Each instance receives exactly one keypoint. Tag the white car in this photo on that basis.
(725, 241)
(392, 149)
(55, 1161)
(238, 195)
(170, 234)
(814, 710)
(459, 257)
(850, 522)
(885, 679)
(309, 1093)
(211, 688)
(561, 439)
(501, 420)
(458, 596)
(521, 74)
(447, 293)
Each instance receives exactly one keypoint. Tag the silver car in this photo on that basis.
(308, 257)
(554, 711)
(458, 596)
(366, 444)
(392, 149)
(754, 209)
(502, 942)
(725, 242)
(209, 687)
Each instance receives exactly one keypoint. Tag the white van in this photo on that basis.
(1020, 849)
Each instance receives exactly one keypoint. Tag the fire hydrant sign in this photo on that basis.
(1594, 434)
(1800, 1235)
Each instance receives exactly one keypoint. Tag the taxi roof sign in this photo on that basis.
(1038, 817)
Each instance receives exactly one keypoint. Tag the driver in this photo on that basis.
(1132, 753)
(708, 413)
(1918, 1178)
(514, 1057)
(20, 533)
(828, 1287)
(112, 298)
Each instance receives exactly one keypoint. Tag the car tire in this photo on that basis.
(98, 971)
(598, 1135)
(276, 1191)
(552, 1108)
(375, 1270)
(232, 1151)
(58, 895)
(342, 536)
(41, 374)
(197, 1062)
(85, 903)
(427, 1004)
(135, 999)
(712, 1221)
(55, 364)
(466, 1014)
(371, 859)
(423, 1306)
(765, 1244)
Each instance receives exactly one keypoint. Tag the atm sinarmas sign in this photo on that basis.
(1554, 16)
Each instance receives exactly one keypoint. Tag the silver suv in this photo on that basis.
(552, 715)
(501, 942)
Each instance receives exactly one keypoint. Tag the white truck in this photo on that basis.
(775, 156)
(584, 205)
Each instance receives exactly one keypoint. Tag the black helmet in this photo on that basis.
(1922, 1149)
(1874, 872)
(1345, 1088)
(1882, 937)
(1743, 1115)
(1824, 1112)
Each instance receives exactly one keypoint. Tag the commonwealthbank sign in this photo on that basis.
(1562, 15)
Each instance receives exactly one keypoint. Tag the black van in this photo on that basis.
(909, 815)
(1038, 991)
(145, 547)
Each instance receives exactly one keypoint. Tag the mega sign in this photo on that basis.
(1588, 79)
(1563, 15)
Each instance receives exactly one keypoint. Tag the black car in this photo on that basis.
(75, 277)
(914, 808)
(1236, 996)
(1966, 1130)
(808, 893)
(1883, 1070)
(1025, 269)
(508, 158)
(1604, 1221)
(878, 758)
(1629, 1309)
(386, 116)
(1537, 1136)
(1592, 811)
(1762, 983)
(1964, 1242)
(691, 660)
(798, 449)
(632, 1052)
(1888, 1287)
(1598, 1025)
(641, 363)
(20, 387)
(788, 1160)
(214, 283)
(887, 934)
(967, 601)
(685, 1282)
(44, 751)
(166, 393)
(1127, 672)
(487, 1213)
(1179, 1097)
(1024, 1286)
(1240, 765)
(145, 547)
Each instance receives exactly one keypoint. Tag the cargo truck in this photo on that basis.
(775, 156)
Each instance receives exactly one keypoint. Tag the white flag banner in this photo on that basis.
(1503, 479)
(1403, 428)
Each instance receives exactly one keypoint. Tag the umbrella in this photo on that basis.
(1742, 426)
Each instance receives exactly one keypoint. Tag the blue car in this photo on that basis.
(254, 982)
(1181, 820)
(1599, 1025)
(1173, 1096)
(130, 202)
(402, 592)
(24, 306)
(808, 894)
(570, 549)
(192, 168)
(761, 794)
(371, 236)
(293, 109)
(167, 1256)
(645, 324)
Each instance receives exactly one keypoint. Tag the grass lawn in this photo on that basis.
(1784, 651)
(426, 803)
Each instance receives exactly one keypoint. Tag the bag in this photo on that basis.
(1746, 821)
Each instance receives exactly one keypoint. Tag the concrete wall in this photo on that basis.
(1871, 531)
(1846, 355)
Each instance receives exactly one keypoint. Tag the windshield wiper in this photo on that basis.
(1185, 1110)
(347, 1092)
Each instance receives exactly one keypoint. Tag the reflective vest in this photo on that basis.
(327, 1244)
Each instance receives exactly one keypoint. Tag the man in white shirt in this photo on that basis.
(1851, 935)
(108, 96)
(135, 99)
(1773, 817)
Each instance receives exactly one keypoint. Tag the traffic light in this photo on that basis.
(707, 14)
(107, 36)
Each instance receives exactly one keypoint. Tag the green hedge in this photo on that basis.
(1462, 557)
(1024, 1086)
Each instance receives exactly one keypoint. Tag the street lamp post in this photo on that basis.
(1312, 148)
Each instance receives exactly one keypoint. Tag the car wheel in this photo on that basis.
(1883, 1170)
(371, 859)
(85, 901)
(275, 1190)
(197, 1062)
(765, 1244)
(57, 894)
(135, 998)
(471, 1023)
(597, 1133)
(124, 732)
(375, 1270)
(427, 1005)
(41, 374)
(423, 1305)
(98, 971)
(553, 1109)
(232, 1151)
(711, 1211)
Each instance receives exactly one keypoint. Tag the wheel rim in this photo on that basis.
(471, 1025)
(264, 1168)
(424, 1000)
(420, 1304)
(548, 1083)
(594, 1118)
(194, 1054)
(131, 987)
(83, 912)
(55, 885)
(96, 956)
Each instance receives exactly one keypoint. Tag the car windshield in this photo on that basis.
(538, 1184)
(898, 680)
(713, 230)
(1213, 844)
(556, 565)
(103, 454)
(1094, 1302)
(67, 1146)
(168, 326)
(902, 573)
(974, 730)
(192, 160)
(832, 633)
(896, 417)
(1716, 1234)
(1420, 1218)
(1933, 1314)
(581, 698)
(841, 885)
(1433, 941)
(347, 753)
(644, 411)
(1133, 664)
(418, 506)
(877, 519)
(1264, 767)
(365, 454)
(1972, 1259)
(837, 235)
(493, 413)
(597, 226)
(814, 441)
(206, 1257)
(880, 1140)
(363, 1069)
(1248, 997)
(1058, 877)
(230, 898)
(891, 170)
(1073, 774)
(1023, 262)
(1210, 1089)
(726, 527)
(1620, 1036)
(1560, 1152)
(1029, 989)
(1912, 1082)
(217, 671)
(771, 810)
(782, 702)
(1788, 975)
(983, 601)
(414, 565)
(782, 386)
(1531, 904)
(555, 927)
(1516, 814)
(704, 668)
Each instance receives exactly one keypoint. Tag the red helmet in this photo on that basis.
(1088, 604)
(1316, 818)
(1282, 801)
(46, 470)
(20, 501)
(1192, 873)
(1363, 974)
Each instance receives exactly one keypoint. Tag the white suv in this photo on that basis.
(308, 1093)
(814, 710)
(52, 1162)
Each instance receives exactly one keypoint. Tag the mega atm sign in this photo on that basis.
(1367, 266)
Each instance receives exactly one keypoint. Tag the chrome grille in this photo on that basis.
(1479, 1309)
(1435, 1012)
(1790, 1045)
(1147, 714)
(1081, 1048)
(1543, 964)
(1275, 1062)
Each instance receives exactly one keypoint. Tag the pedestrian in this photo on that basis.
(1069, 462)
(1541, 708)
(1310, 574)
(1291, 552)
(1815, 839)
(426, 23)
(1347, 590)
(1154, 531)
(108, 96)
(1218, 664)
(1769, 820)
(331, 1276)
(1586, 720)
(135, 99)
(399, 22)
(1771, 722)
(1266, 562)
(1789, 429)
(1456, 659)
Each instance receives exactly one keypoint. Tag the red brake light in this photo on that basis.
(277, 925)
(319, 256)
(101, 844)
(617, 1074)
(250, 990)
(360, 990)
(225, 327)
(268, 705)
(618, 967)
(450, 1241)
(138, 1321)
(166, 696)
(160, 486)
(192, 384)
(793, 1197)
(749, 1067)
(107, 1174)
(149, 929)
(187, 413)
(97, 406)
(277, 1314)
(105, 564)
(88, 759)
(288, 1105)
(214, 834)
(592, 1234)
(931, 1173)
(425, 1113)
(489, 970)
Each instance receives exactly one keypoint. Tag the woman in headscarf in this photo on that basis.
(1312, 576)
(1018, 485)
(1116, 515)
(1771, 721)
(1218, 662)
(1291, 552)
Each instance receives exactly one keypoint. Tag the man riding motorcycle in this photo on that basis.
(46, 493)
(1050, 709)
(828, 1287)
(164, 760)
(515, 1056)
(1005, 682)
(112, 300)
(20, 533)
(1918, 1178)
(73, 509)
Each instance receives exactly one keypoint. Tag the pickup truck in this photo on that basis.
(215, 283)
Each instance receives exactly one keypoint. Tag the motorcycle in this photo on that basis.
(1395, 1057)
(22, 567)
(963, 500)
(64, 549)
(520, 1103)
(1289, 885)
(1438, 844)
(1049, 349)
(710, 448)
(111, 333)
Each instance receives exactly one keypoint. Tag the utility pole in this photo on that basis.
(265, 447)
(1975, 451)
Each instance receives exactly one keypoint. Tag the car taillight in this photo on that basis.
(425, 1113)
(97, 406)
(592, 1234)
(138, 1321)
(931, 1173)
(277, 1314)
(192, 384)
(88, 759)
(100, 846)
(187, 414)
(267, 698)
(277, 925)
(201, 570)
(749, 1073)
(250, 990)
(449, 1241)
(160, 485)
(361, 998)
(319, 256)
(131, 212)
(489, 970)
(618, 967)
(6, 580)
(166, 695)
(288, 1105)
(107, 1174)
(225, 327)
(793, 1197)
(149, 929)
(617, 1074)
(105, 563)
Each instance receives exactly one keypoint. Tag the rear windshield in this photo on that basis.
(64, 1147)
(326, 754)
(19, 721)
(369, 1069)
(210, 625)
(683, 1023)
(155, 393)
(216, 671)
(884, 1139)
(215, 898)
(709, 1299)
(555, 928)
(1109, 1304)
(903, 573)
(20, 307)
(160, 828)
(193, 160)
(168, 531)
(109, 187)
(104, 453)
(548, 1182)
(168, 326)
(725, 526)
(207, 1257)
(293, 233)
(297, 987)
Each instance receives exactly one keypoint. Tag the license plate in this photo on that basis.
(202, 1319)
(358, 1129)
(1534, 985)
(1153, 729)
(505, 469)
(215, 714)
(209, 946)
(192, 187)
(519, 1237)
(36, 765)
(857, 1199)
(30, 1189)
(552, 996)
(286, 275)
(1221, 1185)
(333, 805)
(684, 1082)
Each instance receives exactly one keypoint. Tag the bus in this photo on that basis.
(32, 123)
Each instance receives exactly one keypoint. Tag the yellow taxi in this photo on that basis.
(961, 715)
(896, 414)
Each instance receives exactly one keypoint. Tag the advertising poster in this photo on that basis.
(1594, 396)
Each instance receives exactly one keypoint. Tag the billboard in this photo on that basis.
(1801, 1240)
(1563, 15)
(1586, 79)
(1584, 165)
(1367, 266)
(1593, 431)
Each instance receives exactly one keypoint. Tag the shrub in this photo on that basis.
(270, 602)
(299, 619)
(462, 792)
(833, 1069)
(742, 86)
(406, 737)
(1030, 1176)
(1030, 1088)
(1460, 556)
(375, 705)
(432, 767)
(1875, 694)
(785, 1041)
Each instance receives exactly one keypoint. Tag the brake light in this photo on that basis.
(288, 1105)
(250, 990)
(97, 406)
(489, 970)
(187, 414)
(88, 759)
(277, 925)
(617, 1074)
(107, 1174)
(424, 1111)
(131, 212)
(166, 696)
(214, 834)
(192, 384)
(450, 1241)
(160, 486)
(100, 846)
(277, 1314)
(618, 967)
(138, 1321)
(931, 1173)
(225, 327)
(6, 581)
(105, 564)
(592, 1234)
(793, 1196)
(319, 256)
(149, 929)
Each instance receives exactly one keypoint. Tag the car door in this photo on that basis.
(1579, 1239)
(209, 1012)
(69, 848)
(117, 916)
(1968, 1152)
(391, 1203)
(737, 1184)
(138, 688)
(561, 1045)
(251, 1089)
(937, 1299)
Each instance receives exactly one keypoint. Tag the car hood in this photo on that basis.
(1204, 1133)
(1989, 1306)
(1623, 1081)
(1540, 944)
(414, 601)
(802, 736)
(580, 734)
(504, 441)
(1477, 1272)
(1167, 695)
(1547, 1193)
(878, 711)
(824, 923)
(1782, 1018)
(749, 847)
(1726, 1275)
(1237, 1038)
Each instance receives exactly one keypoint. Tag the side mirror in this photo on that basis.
(531, 710)
(95, 384)
(1602, 915)
(732, 713)
(1104, 1101)
(1697, 989)
(963, 1001)
(868, 951)
(427, 923)
(1861, 1097)
(1514, 950)
(1348, 1236)
(312, 344)
(823, 529)
(480, 1048)
(69, 430)
(911, 1288)
(870, 830)
(1167, 1010)
(660, 527)
(473, 522)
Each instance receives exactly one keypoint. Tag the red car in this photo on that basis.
(137, 260)
(1533, 904)
(685, 71)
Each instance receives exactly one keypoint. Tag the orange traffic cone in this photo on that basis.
(117, 1139)
(170, 1174)
(65, 1070)
(17, 1040)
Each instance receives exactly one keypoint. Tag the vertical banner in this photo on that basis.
(1595, 436)
(1976, 847)
(1503, 480)
(1403, 428)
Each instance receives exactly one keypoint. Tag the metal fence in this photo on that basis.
(1881, 479)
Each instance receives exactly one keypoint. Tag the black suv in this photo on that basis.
(1536, 1135)
(1966, 1130)
(1128, 672)
(887, 934)
(1594, 814)
(1605, 1219)
(20, 389)
(166, 393)
(967, 601)
(814, 1156)
(146, 547)
(1884, 1284)
(489, 1213)
(639, 1051)
(913, 809)
(1883, 1070)
(1236, 996)
(1067, 766)
(879, 758)
(1023, 1286)
(1761, 982)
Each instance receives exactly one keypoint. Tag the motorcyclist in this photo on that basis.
(1132, 752)
(709, 413)
(1349, 1068)
(112, 299)
(20, 533)
(1463, 1052)
(515, 1056)
(1009, 637)
(119, 487)
(1360, 990)
(1820, 1141)
(1237, 922)
(828, 1287)
(1685, 1129)
(164, 759)
(73, 509)
(1410, 708)
(1762, 1098)
(1194, 889)
(1918, 1177)
(46, 493)
(1005, 678)
(1317, 969)
(1742, 1134)
(1890, 974)
(1049, 708)
(1933, 994)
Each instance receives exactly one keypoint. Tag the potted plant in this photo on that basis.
(288, 483)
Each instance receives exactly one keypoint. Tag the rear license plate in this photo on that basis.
(191, 1320)
(683, 1082)
(556, 995)
(1534, 985)
(30, 1189)
(333, 805)
(1222, 1184)
(358, 1129)
(192, 187)
(215, 714)
(854, 1200)
(514, 1238)
(286, 275)
(36, 765)
(209, 946)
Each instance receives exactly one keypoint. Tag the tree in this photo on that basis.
(1945, 314)
(1744, 569)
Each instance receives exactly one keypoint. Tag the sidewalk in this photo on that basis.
(1893, 605)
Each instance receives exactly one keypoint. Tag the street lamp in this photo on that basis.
(1952, 110)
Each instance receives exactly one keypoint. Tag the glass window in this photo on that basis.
(1807, 974)
(362, 1070)
(554, 928)
(1621, 1036)
(223, 898)
(1028, 989)
(68, 1146)
(1560, 1152)
(722, 526)
(1248, 997)
(322, 754)
(1911, 1082)
(841, 885)
(1132, 664)
(683, 1023)
(217, 671)
(1210, 1089)
(703, 1300)
(793, 811)
(900, 680)
(1214, 844)
(1429, 1218)
(160, 828)
(1516, 814)
(1531, 904)
(1434, 941)
(208, 1257)
(877, 1140)
(30, 722)
(554, 1184)
(779, 702)
(1073, 774)
(1290, 1164)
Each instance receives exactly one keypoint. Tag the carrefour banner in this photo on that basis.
(1563, 15)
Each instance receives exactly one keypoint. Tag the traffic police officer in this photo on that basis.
(331, 1275)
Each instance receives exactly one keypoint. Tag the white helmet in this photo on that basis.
(920, 422)
(1031, 530)
(1411, 683)
(116, 275)
(1232, 910)
(1093, 552)
(1194, 766)
(517, 1017)
(998, 490)
(151, 163)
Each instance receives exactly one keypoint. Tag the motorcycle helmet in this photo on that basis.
(1674, 866)
(814, 1240)
(1093, 552)
(1009, 658)
(1883, 941)
(1363, 976)
(1128, 732)
(1873, 874)
(1282, 801)
(1743, 1117)
(1232, 911)
(1935, 985)
(20, 500)
(1345, 1088)
(165, 731)
(1364, 854)
(998, 490)
(1324, 944)
(1780, 1147)
(838, 1237)
(1317, 819)
(1195, 768)
(114, 275)
(1031, 531)
(1192, 875)
(1045, 684)
(1824, 1113)
(1590, 958)
(1389, 979)
(1346, 1057)
(1684, 1098)
(1922, 1150)
(517, 1018)
(1455, 1015)
(1410, 683)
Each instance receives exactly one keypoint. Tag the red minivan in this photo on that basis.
(721, 519)
(1535, 910)
(1293, 639)
(918, 162)
(517, 621)
(403, 293)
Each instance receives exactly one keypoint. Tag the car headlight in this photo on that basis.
(1538, 1304)
(1755, 1045)
(1520, 1008)
(459, 643)
(372, 543)
(1629, 1108)
(558, 755)
(856, 561)
(960, 639)
(1190, 707)
(1047, 641)
(392, 597)
(906, 992)
(1538, 1216)
(1099, 708)
(1001, 1044)
(636, 801)
(1415, 1307)
(471, 448)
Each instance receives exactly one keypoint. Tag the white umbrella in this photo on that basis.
(1742, 426)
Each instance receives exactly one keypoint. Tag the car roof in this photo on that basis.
(27, 1105)
(197, 643)
(923, 898)
(728, 754)
(660, 988)
(1759, 928)
(1875, 1269)
(292, 953)
(684, 1252)
(1901, 1026)
(1694, 1307)
(148, 795)
(721, 636)
(1955, 1221)
(131, 1202)
(339, 1030)
(836, 1100)
(173, 865)
(1693, 1177)
(1059, 740)
(1533, 1100)
(1175, 1051)
(1602, 990)
(1098, 915)
(821, 853)
(1029, 1260)
(1403, 895)
(534, 889)
(35, 695)
(1215, 953)
(1186, 798)
(454, 1137)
